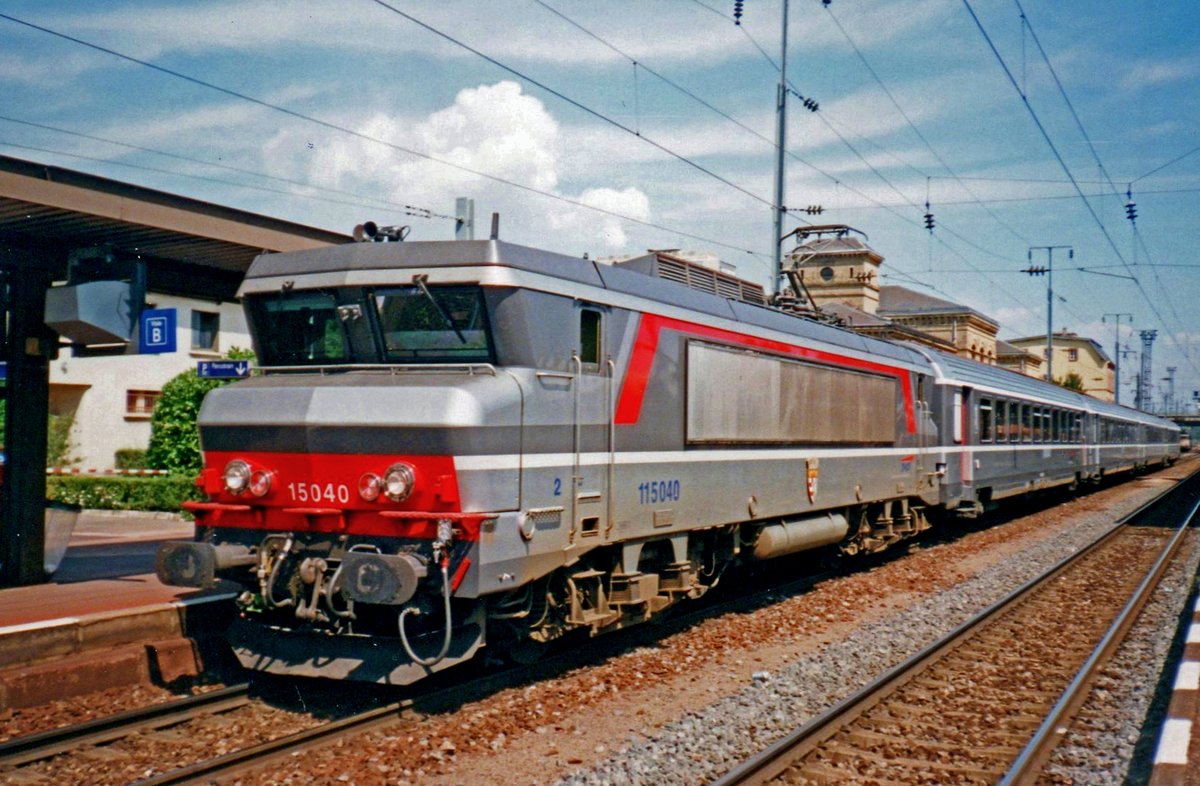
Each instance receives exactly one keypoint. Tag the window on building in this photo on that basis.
(140, 403)
(1072, 354)
(205, 326)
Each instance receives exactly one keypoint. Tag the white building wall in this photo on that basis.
(96, 388)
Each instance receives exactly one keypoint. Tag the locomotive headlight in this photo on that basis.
(260, 483)
(237, 476)
(369, 486)
(398, 482)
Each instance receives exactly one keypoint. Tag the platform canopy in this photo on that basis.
(50, 215)
(57, 209)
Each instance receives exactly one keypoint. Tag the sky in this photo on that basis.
(609, 128)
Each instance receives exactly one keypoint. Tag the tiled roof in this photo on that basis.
(899, 301)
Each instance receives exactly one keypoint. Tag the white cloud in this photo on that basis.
(530, 33)
(627, 202)
(39, 72)
(1155, 73)
(494, 129)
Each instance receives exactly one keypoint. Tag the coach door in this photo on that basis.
(964, 437)
(593, 408)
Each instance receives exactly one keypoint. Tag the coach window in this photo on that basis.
(1026, 423)
(1045, 424)
(985, 420)
(589, 338)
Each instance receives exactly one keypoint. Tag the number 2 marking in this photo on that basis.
(558, 487)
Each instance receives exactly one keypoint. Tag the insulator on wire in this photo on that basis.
(737, 11)
(814, 210)
(811, 105)
(1131, 211)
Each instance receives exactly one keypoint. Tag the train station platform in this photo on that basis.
(104, 620)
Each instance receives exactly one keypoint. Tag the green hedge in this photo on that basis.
(131, 458)
(116, 492)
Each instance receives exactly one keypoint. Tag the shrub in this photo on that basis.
(131, 458)
(174, 440)
(58, 437)
(58, 440)
(114, 492)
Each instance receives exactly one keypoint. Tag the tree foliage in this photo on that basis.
(1072, 381)
(174, 439)
(58, 437)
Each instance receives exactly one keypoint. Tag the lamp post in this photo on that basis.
(1117, 353)
(1049, 271)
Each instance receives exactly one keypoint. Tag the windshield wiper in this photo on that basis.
(419, 280)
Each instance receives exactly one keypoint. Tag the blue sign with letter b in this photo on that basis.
(156, 331)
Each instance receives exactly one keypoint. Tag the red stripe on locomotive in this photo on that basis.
(645, 345)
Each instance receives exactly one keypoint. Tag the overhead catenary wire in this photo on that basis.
(759, 255)
(1095, 154)
(915, 129)
(1161, 167)
(829, 122)
(1067, 171)
(573, 102)
(373, 203)
(834, 130)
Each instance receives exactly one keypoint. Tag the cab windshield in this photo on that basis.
(355, 325)
(423, 323)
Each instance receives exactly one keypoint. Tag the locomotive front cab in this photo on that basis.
(333, 496)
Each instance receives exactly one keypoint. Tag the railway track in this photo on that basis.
(23, 751)
(31, 759)
(161, 724)
(987, 703)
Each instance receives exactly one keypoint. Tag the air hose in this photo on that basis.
(427, 662)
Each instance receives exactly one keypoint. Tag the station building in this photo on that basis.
(1075, 354)
(108, 392)
(839, 272)
(106, 253)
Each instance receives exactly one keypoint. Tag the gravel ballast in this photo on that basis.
(704, 744)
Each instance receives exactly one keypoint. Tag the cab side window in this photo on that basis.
(590, 339)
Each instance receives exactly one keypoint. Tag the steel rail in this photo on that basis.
(777, 757)
(1032, 758)
(23, 750)
(258, 755)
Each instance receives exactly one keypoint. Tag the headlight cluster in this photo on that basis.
(239, 479)
(395, 484)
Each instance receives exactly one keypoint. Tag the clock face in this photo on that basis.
(827, 274)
